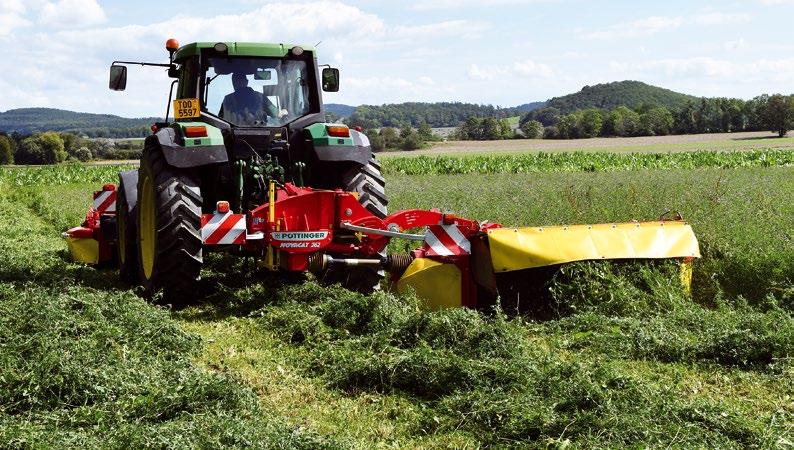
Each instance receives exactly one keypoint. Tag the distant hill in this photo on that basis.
(339, 109)
(29, 120)
(527, 107)
(619, 93)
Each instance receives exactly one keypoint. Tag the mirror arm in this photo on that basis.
(142, 64)
(168, 106)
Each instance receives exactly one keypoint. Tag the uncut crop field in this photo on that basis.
(628, 359)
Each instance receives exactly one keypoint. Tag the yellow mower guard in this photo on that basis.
(531, 247)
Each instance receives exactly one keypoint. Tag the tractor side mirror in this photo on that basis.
(118, 78)
(330, 79)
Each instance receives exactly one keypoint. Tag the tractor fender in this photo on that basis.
(129, 179)
(183, 157)
(360, 152)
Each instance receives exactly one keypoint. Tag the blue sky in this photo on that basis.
(501, 52)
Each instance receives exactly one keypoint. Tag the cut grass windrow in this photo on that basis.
(505, 381)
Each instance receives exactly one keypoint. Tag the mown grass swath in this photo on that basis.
(583, 162)
(507, 381)
(84, 364)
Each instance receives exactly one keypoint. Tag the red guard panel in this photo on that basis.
(223, 229)
(105, 201)
(446, 240)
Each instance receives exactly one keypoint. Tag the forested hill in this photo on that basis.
(619, 93)
(28, 120)
(339, 109)
(527, 107)
(442, 114)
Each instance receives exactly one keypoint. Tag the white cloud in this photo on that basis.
(460, 28)
(486, 73)
(739, 44)
(425, 5)
(720, 18)
(72, 14)
(658, 24)
(396, 90)
(387, 58)
(529, 68)
(777, 2)
(706, 70)
(642, 27)
(678, 67)
(83, 55)
(519, 69)
(12, 16)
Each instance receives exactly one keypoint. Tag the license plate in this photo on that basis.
(186, 108)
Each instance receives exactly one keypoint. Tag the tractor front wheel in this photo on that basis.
(369, 184)
(169, 224)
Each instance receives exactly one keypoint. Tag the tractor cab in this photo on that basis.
(254, 84)
(243, 84)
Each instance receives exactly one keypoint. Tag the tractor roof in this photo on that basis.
(240, 49)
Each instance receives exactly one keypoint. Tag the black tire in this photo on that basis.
(126, 235)
(370, 185)
(169, 228)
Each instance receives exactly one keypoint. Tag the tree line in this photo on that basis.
(405, 138)
(442, 114)
(51, 147)
(705, 115)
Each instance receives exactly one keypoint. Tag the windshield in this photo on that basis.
(257, 91)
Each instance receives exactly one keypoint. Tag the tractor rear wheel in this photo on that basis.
(169, 224)
(370, 186)
(126, 238)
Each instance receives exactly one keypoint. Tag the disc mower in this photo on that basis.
(249, 166)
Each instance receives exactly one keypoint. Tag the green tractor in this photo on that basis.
(246, 115)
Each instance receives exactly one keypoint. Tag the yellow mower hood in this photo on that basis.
(530, 247)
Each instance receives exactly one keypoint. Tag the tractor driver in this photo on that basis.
(244, 106)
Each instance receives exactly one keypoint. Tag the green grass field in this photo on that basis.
(629, 360)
